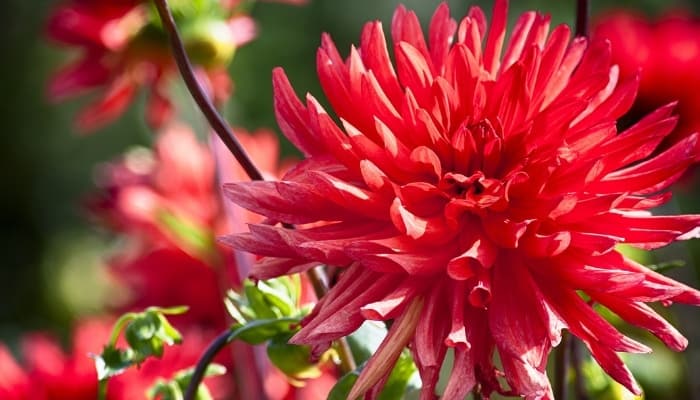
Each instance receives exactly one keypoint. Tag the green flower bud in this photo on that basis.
(209, 42)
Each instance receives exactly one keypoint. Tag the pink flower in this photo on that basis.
(470, 195)
(121, 51)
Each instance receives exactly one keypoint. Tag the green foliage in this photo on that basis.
(146, 333)
(269, 311)
(175, 388)
(271, 299)
(293, 360)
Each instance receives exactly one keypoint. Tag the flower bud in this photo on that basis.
(209, 42)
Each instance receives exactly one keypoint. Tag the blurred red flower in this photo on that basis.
(665, 52)
(167, 204)
(49, 373)
(470, 196)
(121, 50)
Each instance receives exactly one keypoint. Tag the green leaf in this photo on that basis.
(142, 336)
(112, 361)
(342, 388)
(167, 333)
(256, 301)
(403, 376)
(293, 360)
(277, 298)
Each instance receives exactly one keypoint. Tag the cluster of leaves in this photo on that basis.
(270, 312)
(146, 333)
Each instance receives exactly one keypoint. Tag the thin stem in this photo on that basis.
(583, 11)
(102, 389)
(223, 130)
(319, 281)
(198, 375)
(117, 329)
(562, 368)
(579, 388)
(218, 344)
(220, 126)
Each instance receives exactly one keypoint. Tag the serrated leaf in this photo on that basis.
(112, 362)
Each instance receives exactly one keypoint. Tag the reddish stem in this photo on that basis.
(220, 126)
(583, 11)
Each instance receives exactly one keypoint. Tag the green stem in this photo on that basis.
(102, 389)
(117, 330)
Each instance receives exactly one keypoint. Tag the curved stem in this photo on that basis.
(583, 11)
(198, 375)
(223, 130)
(220, 126)
(117, 328)
(218, 344)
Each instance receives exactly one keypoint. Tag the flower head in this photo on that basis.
(471, 191)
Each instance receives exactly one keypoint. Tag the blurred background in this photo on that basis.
(51, 273)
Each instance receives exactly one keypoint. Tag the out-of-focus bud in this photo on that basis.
(209, 42)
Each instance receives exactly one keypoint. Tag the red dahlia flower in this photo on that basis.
(123, 50)
(471, 196)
